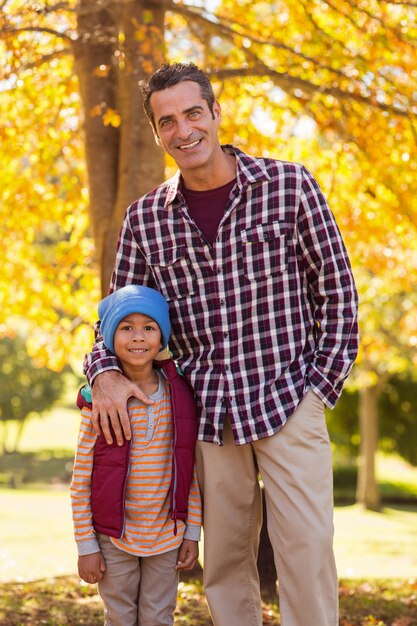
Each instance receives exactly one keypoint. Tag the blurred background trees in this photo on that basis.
(25, 389)
(331, 84)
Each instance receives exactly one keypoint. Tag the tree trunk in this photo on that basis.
(367, 491)
(94, 49)
(117, 47)
(141, 161)
(4, 449)
(19, 433)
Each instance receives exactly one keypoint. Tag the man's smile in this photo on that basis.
(188, 146)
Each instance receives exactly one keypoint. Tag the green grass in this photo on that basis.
(397, 480)
(395, 475)
(56, 430)
(376, 545)
(37, 539)
(36, 534)
(45, 452)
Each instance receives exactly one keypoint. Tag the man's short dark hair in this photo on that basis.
(169, 75)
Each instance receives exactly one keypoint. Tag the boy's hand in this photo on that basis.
(91, 567)
(187, 555)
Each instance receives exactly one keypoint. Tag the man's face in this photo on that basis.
(185, 126)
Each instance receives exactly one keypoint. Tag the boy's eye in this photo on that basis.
(150, 327)
(126, 327)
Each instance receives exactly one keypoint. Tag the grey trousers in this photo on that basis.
(138, 591)
(295, 466)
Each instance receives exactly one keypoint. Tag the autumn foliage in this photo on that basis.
(330, 83)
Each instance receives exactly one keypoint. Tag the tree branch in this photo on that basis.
(324, 34)
(230, 33)
(284, 79)
(400, 3)
(371, 16)
(45, 58)
(36, 29)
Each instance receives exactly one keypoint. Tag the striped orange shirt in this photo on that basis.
(148, 529)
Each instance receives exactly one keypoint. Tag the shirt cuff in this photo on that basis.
(89, 546)
(192, 532)
(323, 388)
(94, 371)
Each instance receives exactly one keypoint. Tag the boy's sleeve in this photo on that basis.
(80, 489)
(194, 520)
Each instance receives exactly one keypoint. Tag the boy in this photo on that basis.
(130, 502)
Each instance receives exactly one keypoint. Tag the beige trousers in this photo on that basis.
(138, 591)
(295, 466)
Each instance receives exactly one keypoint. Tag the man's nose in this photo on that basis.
(183, 129)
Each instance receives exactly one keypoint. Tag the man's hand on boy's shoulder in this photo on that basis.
(110, 393)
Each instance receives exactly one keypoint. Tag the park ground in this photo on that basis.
(376, 552)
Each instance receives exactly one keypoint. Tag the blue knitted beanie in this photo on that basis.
(133, 299)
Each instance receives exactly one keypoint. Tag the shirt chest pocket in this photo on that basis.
(264, 250)
(172, 271)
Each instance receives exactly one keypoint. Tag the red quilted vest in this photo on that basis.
(111, 462)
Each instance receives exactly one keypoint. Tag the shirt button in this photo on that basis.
(225, 335)
(266, 236)
(221, 302)
(219, 270)
(227, 367)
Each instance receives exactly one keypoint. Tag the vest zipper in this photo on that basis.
(174, 467)
(124, 490)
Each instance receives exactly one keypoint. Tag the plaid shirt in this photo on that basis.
(267, 312)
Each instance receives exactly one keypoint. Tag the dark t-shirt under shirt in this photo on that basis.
(207, 208)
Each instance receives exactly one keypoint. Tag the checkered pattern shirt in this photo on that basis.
(265, 313)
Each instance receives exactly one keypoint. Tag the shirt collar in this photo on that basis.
(249, 170)
(173, 186)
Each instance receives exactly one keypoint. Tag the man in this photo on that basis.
(264, 325)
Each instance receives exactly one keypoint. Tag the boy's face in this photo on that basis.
(137, 340)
